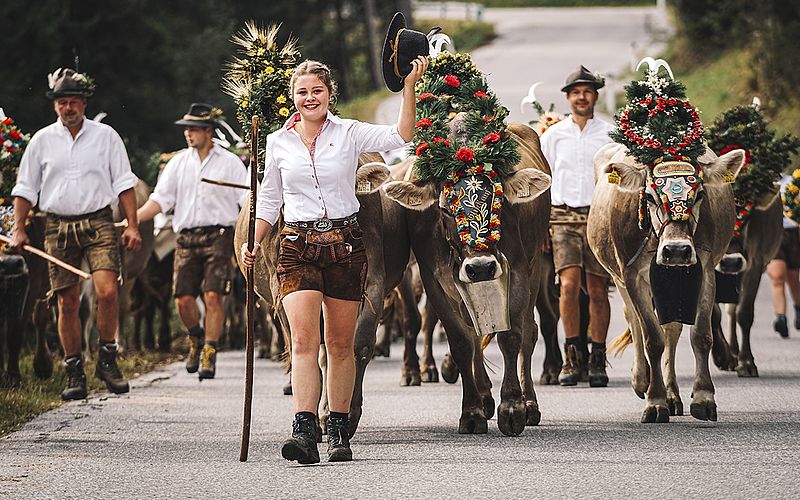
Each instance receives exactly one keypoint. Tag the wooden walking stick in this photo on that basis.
(251, 232)
(48, 257)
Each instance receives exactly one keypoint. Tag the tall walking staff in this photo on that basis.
(251, 310)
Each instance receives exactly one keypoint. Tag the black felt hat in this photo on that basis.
(66, 81)
(200, 115)
(401, 46)
(583, 75)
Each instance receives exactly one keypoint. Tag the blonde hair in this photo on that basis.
(322, 71)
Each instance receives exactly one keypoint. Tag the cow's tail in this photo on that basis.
(620, 343)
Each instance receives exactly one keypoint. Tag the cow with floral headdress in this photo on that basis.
(660, 222)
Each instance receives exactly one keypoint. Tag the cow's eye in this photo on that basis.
(700, 195)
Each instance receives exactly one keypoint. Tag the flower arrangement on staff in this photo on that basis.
(258, 79)
(766, 154)
(452, 85)
(12, 144)
(791, 197)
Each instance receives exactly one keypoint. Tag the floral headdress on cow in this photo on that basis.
(451, 85)
(766, 155)
(662, 130)
(12, 145)
(258, 79)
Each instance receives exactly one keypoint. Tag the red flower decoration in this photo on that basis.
(452, 80)
(481, 95)
(8, 121)
(441, 140)
(422, 147)
(14, 134)
(491, 137)
(465, 154)
(731, 147)
(424, 96)
(425, 122)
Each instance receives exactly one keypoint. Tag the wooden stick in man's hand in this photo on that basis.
(47, 256)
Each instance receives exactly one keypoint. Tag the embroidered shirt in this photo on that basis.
(67, 176)
(323, 184)
(570, 152)
(200, 203)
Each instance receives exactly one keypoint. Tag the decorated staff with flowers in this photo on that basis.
(74, 169)
(570, 146)
(310, 167)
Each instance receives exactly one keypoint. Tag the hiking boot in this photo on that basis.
(208, 362)
(780, 325)
(108, 371)
(339, 439)
(76, 379)
(597, 369)
(302, 446)
(571, 372)
(193, 358)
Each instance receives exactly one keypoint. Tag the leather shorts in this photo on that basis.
(203, 261)
(333, 262)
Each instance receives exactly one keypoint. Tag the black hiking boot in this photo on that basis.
(108, 371)
(597, 369)
(339, 439)
(208, 362)
(571, 371)
(302, 446)
(193, 358)
(76, 379)
(780, 325)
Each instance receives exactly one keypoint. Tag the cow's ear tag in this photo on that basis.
(364, 187)
(414, 200)
(524, 190)
(613, 177)
(729, 178)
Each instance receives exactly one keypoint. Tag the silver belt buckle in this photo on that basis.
(323, 224)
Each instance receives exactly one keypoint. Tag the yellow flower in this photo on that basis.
(281, 99)
(269, 70)
(796, 174)
(245, 103)
(792, 189)
(283, 112)
(288, 72)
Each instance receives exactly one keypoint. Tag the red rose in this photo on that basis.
(452, 80)
(441, 140)
(15, 134)
(7, 121)
(425, 95)
(422, 147)
(425, 122)
(465, 154)
(491, 137)
(481, 95)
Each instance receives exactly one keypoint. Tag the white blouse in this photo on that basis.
(200, 203)
(67, 176)
(570, 152)
(322, 185)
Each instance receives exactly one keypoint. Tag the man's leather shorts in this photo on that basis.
(203, 261)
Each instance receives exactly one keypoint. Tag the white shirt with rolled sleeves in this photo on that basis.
(198, 203)
(570, 152)
(300, 183)
(67, 176)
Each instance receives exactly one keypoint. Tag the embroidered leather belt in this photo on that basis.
(324, 224)
(205, 229)
(72, 218)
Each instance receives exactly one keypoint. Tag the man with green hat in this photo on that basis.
(204, 217)
(74, 169)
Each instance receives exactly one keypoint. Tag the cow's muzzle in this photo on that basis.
(733, 263)
(480, 268)
(676, 253)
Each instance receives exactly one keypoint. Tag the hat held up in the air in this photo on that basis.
(200, 115)
(67, 81)
(583, 75)
(400, 48)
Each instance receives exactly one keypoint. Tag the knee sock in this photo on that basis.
(571, 341)
(339, 415)
(197, 331)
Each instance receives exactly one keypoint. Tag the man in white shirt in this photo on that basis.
(570, 146)
(204, 217)
(74, 169)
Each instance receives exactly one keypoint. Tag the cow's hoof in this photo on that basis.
(655, 415)
(724, 362)
(511, 417)
(675, 406)
(747, 369)
(488, 406)
(355, 417)
(706, 410)
(532, 414)
(43, 366)
(10, 380)
(549, 377)
(429, 374)
(449, 369)
(472, 423)
(410, 378)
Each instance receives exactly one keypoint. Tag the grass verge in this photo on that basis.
(36, 396)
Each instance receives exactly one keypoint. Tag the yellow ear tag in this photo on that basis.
(729, 177)
(613, 177)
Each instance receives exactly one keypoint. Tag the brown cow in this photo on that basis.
(446, 265)
(626, 253)
(747, 256)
